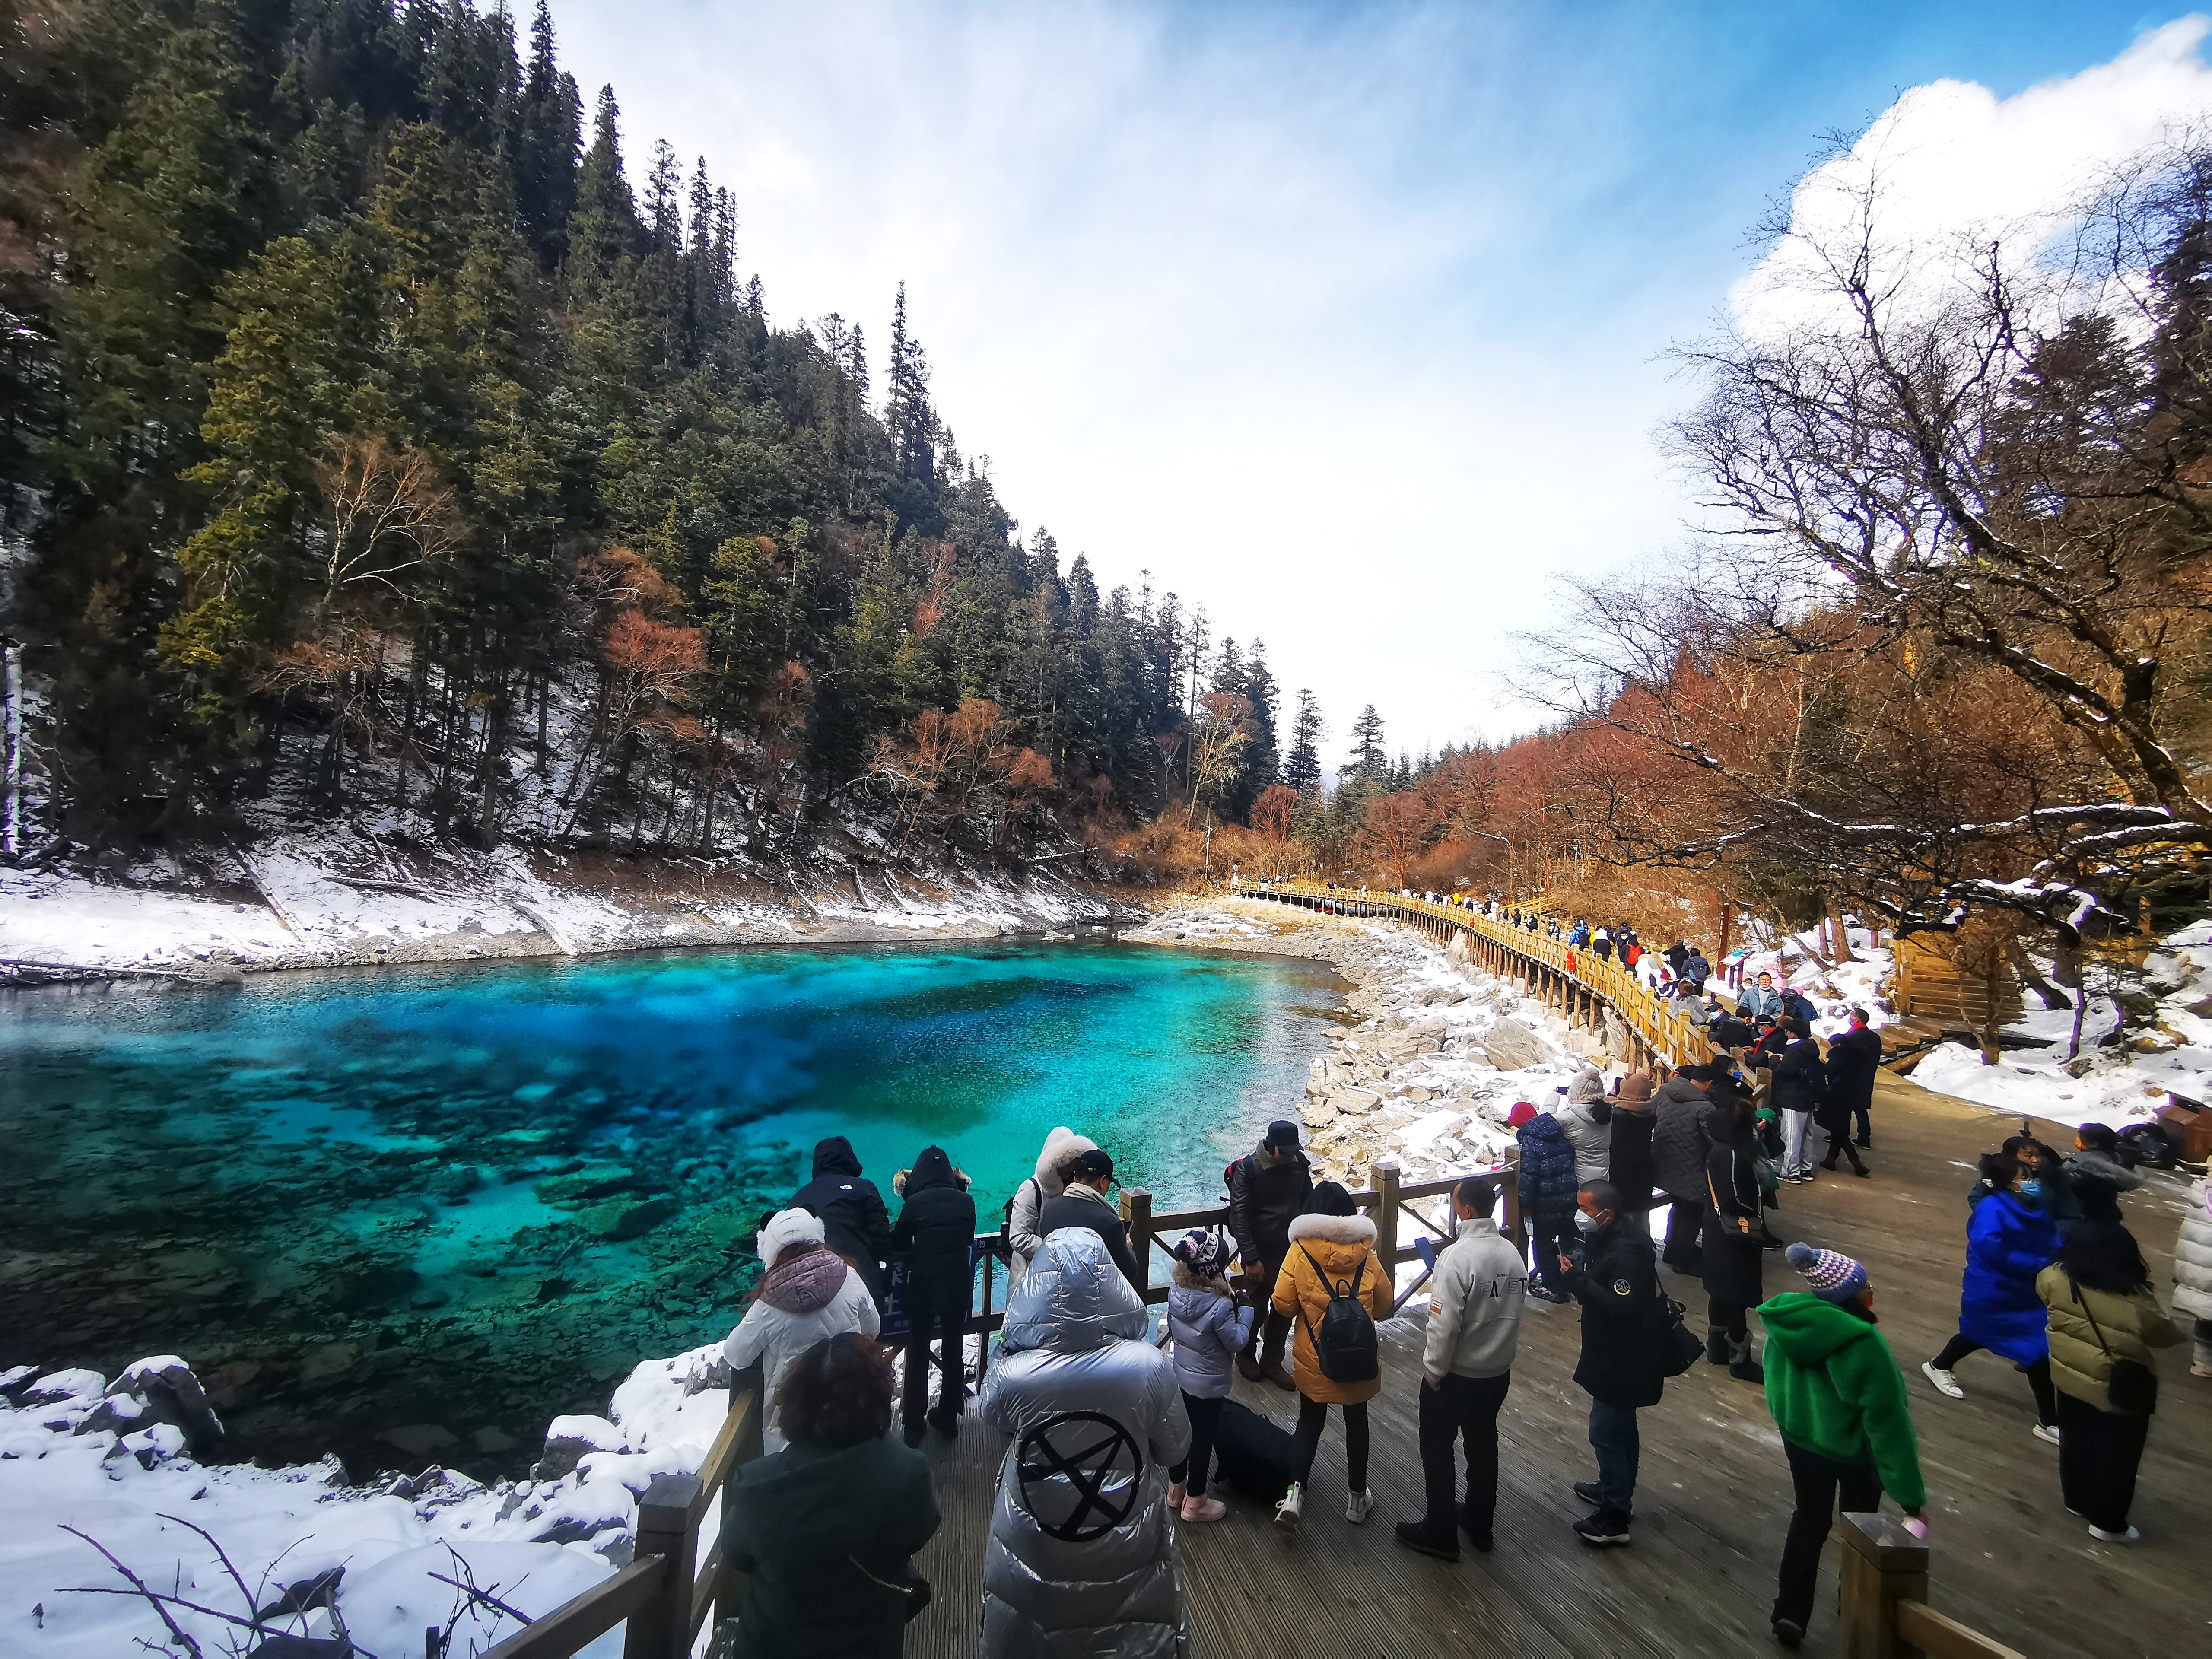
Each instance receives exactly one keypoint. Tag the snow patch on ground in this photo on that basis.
(534, 1543)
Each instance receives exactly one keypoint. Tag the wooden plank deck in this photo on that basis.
(1713, 1497)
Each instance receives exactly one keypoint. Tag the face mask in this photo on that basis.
(1586, 1221)
(2030, 1189)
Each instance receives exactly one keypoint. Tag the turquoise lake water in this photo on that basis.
(413, 1213)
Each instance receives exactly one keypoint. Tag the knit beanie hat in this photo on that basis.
(1200, 1250)
(1830, 1275)
(787, 1228)
(1522, 1112)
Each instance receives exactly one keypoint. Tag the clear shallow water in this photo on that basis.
(413, 1213)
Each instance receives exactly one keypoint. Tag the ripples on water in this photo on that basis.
(407, 1214)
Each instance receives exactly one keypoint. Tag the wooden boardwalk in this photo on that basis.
(1713, 1497)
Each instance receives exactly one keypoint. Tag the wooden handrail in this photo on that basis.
(582, 1620)
(1884, 1600)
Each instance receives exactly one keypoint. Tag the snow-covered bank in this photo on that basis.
(1438, 1055)
(71, 1457)
(342, 898)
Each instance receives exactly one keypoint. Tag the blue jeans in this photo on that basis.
(1614, 1439)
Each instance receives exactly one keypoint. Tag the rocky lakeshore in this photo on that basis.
(1434, 1051)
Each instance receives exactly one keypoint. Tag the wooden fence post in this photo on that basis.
(1882, 1565)
(729, 1586)
(1137, 1211)
(1384, 1177)
(666, 1527)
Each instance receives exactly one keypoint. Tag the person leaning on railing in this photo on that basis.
(826, 1530)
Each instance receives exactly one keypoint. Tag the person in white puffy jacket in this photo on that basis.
(1081, 1559)
(2192, 1274)
(807, 1293)
(1061, 1148)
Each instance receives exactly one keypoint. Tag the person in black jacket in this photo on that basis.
(1084, 1204)
(1622, 1366)
(936, 1234)
(1801, 1078)
(1735, 1240)
(856, 1225)
(1267, 1190)
(1679, 1146)
(1853, 1060)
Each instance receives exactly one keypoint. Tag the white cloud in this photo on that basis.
(1950, 166)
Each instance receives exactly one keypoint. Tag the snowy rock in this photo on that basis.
(1512, 1045)
(569, 1440)
(166, 1392)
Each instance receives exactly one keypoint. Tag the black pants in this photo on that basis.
(1461, 1408)
(1863, 1124)
(1817, 1482)
(1205, 1417)
(1686, 1225)
(2039, 1374)
(2098, 1455)
(1270, 1330)
(925, 1324)
(1548, 1238)
(1312, 1414)
(1839, 1144)
(1731, 1316)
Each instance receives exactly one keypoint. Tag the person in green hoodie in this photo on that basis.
(1839, 1399)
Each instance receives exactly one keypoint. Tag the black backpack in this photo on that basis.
(1344, 1348)
(1253, 1455)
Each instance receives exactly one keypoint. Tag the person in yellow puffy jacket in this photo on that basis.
(1332, 1258)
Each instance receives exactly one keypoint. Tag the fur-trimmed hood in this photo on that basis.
(1061, 1145)
(1334, 1229)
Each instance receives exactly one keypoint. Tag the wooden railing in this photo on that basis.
(667, 1595)
(1885, 1611)
(1572, 981)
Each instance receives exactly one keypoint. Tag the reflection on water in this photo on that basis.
(451, 1202)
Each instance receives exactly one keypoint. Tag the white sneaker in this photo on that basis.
(1357, 1506)
(2047, 1431)
(2202, 1368)
(1287, 1513)
(2130, 1536)
(1943, 1379)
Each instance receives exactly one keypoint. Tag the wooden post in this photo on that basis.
(1137, 1211)
(666, 1527)
(1882, 1565)
(1384, 1177)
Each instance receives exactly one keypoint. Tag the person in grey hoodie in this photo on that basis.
(1476, 1297)
(1210, 1324)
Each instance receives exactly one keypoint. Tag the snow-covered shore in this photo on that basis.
(340, 900)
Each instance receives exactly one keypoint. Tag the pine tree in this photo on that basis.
(1368, 757)
(605, 235)
(1301, 769)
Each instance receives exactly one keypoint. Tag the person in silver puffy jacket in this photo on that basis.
(1081, 1558)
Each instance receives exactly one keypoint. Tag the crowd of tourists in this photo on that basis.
(1119, 1431)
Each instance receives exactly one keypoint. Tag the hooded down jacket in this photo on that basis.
(852, 1211)
(1209, 1330)
(1023, 1238)
(804, 1298)
(1338, 1245)
(2097, 1179)
(2192, 1256)
(1081, 1560)
(936, 1233)
(2007, 1244)
(1550, 1171)
(1589, 1128)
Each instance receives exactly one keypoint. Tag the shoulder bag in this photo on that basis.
(2133, 1386)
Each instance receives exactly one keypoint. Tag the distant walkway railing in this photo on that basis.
(1572, 981)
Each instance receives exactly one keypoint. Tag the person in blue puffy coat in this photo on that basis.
(2010, 1238)
(1548, 1181)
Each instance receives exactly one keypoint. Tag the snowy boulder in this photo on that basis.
(569, 1440)
(162, 1390)
(56, 1388)
(1511, 1046)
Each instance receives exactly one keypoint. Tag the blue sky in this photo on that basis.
(1344, 322)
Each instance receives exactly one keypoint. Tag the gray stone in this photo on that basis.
(1511, 1045)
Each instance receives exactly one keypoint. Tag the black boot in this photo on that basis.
(1741, 1365)
(1717, 1345)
